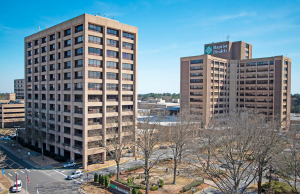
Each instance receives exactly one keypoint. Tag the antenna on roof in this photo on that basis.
(227, 37)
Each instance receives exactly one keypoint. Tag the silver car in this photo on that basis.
(76, 174)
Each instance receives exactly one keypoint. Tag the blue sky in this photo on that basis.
(168, 30)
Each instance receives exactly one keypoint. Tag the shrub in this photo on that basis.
(128, 184)
(193, 184)
(134, 168)
(154, 188)
(161, 183)
(107, 181)
(111, 174)
(103, 180)
(100, 179)
(166, 159)
(95, 177)
(143, 187)
(138, 177)
(129, 180)
(136, 191)
(277, 187)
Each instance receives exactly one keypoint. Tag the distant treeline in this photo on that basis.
(164, 96)
(2, 96)
(295, 108)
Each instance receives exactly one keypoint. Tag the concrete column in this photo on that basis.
(72, 157)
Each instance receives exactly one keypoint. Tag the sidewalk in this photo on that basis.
(18, 155)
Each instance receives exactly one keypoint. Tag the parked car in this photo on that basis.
(14, 189)
(6, 138)
(76, 174)
(69, 164)
(13, 135)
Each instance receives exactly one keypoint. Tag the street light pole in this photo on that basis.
(17, 131)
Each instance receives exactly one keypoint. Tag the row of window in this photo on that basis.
(67, 32)
(79, 75)
(113, 32)
(79, 86)
(78, 98)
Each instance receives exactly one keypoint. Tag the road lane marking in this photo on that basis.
(16, 173)
(9, 174)
(27, 170)
(62, 171)
(33, 169)
(21, 171)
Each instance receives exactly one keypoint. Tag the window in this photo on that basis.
(52, 37)
(78, 98)
(78, 86)
(44, 49)
(112, 54)
(113, 76)
(94, 98)
(94, 121)
(127, 46)
(29, 44)
(67, 76)
(196, 61)
(95, 28)
(29, 53)
(67, 86)
(113, 43)
(95, 86)
(113, 87)
(127, 108)
(95, 74)
(79, 63)
(67, 32)
(52, 67)
(196, 87)
(196, 74)
(78, 39)
(95, 39)
(67, 98)
(112, 32)
(44, 58)
(262, 63)
(94, 63)
(29, 61)
(285, 62)
(127, 87)
(128, 35)
(36, 69)
(196, 81)
(67, 54)
(52, 57)
(127, 56)
(78, 51)
(78, 28)
(127, 98)
(112, 109)
(128, 77)
(247, 46)
(112, 97)
(52, 47)
(67, 43)
(95, 51)
(111, 65)
(67, 65)
(127, 66)
(36, 51)
(58, 33)
(196, 68)
(44, 40)
(78, 109)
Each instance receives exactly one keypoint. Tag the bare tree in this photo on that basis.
(148, 135)
(115, 145)
(268, 146)
(288, 163)
(2, 160)
(237, 135)
(179, 134)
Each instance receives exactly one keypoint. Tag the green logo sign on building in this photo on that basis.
(208, 50)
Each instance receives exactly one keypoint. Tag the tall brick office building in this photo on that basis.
(79, 76)
(226, 77)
